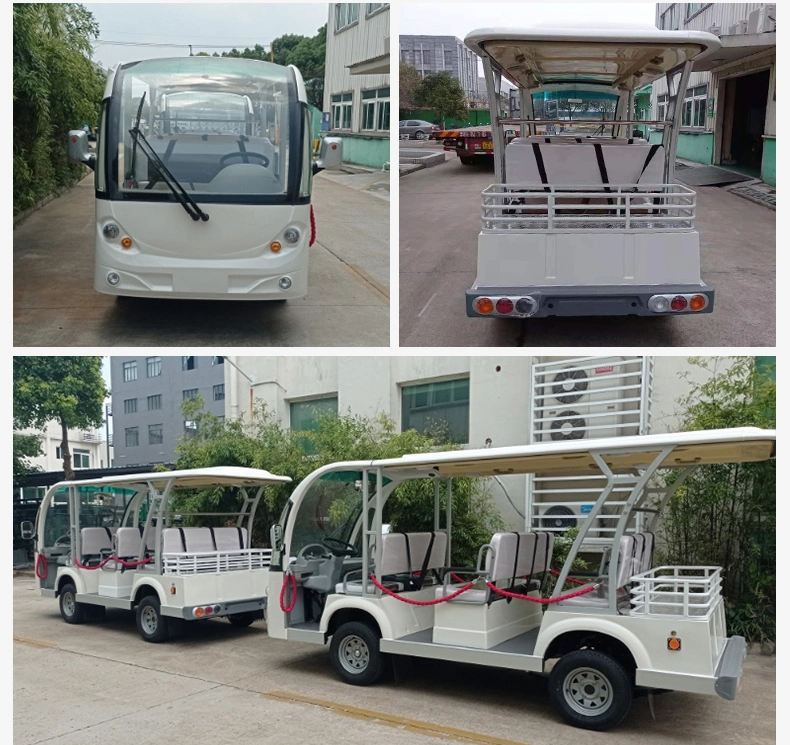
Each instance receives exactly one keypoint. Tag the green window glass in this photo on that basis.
(437, 409)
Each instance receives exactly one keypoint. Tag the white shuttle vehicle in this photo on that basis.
(204, 170)
(581, 224)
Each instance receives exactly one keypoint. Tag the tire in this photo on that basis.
(70, 610)
(355, 654)
(151, 624)
(243, 620)
(467, 160)
(419, 135)
(590, 689)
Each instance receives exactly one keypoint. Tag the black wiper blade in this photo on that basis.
(185, 200)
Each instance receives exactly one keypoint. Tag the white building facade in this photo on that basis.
(88, 448)
(476, 402)
(357, 82)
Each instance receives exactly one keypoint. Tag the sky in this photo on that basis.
(458, 19)
(216, 24)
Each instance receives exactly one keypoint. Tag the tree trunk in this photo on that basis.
(68, 471)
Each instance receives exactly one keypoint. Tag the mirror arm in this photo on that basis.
(317, 168)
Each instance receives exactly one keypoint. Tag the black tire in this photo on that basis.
(467, 160)
(242, 620)
(70, 610)
(590, 689)
(355, 654)
(151, 624)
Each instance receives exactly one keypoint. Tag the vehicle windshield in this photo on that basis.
(220, 126)
(567, 105)
(330, 509)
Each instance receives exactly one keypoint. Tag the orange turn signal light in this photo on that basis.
(673, 644)
(275, 246)
(199, 612)
(126, 242)
(698, 302)
(484, 305)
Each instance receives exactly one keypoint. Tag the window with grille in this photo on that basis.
(130, 406)
(153, 367)
(219, 392)
(440, 410)
(129, 371)
(132, 437)
(155, 434)
(189, 395)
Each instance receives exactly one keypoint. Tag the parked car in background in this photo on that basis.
(417, 129)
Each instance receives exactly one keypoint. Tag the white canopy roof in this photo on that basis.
(573, 457)
(623, 58)
(191, 478)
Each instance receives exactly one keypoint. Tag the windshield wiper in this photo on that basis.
(185, 200)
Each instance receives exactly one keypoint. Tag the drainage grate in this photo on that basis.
(767, 198)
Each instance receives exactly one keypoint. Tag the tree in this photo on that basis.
(725, 515)
(69, 390)
(25, 446)
(56, 88)
(442, 93)
(264, 443)
(409, 81)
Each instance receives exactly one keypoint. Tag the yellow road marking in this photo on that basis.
(410, 725)
(36, 643)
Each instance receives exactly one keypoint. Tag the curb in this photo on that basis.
(22, 216)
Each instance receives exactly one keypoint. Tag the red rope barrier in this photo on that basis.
(41, 559)
(286, 579)
(568, 579)
(312, 226)
(542, 601)
(116, 559)
(418, 602)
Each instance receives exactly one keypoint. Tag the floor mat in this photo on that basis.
(710, 176)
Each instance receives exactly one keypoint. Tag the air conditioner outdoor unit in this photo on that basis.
(762, 20)
(561, 517)
(738, 28)
(714, 30)
(586, 401)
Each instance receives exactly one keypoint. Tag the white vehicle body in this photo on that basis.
(664, 626)
(122, 543)
(578, 224)
(203, 180)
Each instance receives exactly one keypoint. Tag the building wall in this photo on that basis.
(499, 394)
(432, 54)
(90, 441)
(703, 145)
(363, 40)
(170, 385)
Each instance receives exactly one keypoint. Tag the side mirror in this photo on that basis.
(78, 148)
(26, 529)
(330, 156)
(276, 537)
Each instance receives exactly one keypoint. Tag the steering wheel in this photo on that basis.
(317, 553)
(264, 161)
(63, 541)
(338, 547)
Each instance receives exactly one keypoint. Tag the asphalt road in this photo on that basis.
(347, 302)
(100, 683)
(439, 225)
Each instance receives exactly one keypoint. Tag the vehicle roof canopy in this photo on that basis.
(623, 58)
(192, 478)
(574, 457)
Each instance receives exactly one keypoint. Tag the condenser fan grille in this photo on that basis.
(569, 385)
(559, 517)
(568, 425)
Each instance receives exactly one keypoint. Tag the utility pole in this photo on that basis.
(190, 51)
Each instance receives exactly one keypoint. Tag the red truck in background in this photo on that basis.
(471, 143)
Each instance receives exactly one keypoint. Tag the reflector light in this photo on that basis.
(126, 242)
(275, 246)
(199, 612)
(658, 304)
(504, 306)
(484, 305)
(526, 306)
(673, 644)
(678, 303)
(698, 302)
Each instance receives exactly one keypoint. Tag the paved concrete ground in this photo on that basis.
(100, 683)
(347, 302)
(439, 224)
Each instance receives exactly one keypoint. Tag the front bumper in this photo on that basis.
(610, 300)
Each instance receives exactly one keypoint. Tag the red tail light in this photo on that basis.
(678, 303)
(504, 306)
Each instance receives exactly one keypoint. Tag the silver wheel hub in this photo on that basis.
(149, 620)
(68, 604)
(587, 691)
(354, 654)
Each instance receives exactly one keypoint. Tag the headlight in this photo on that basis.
(111, 230)
(292, 235)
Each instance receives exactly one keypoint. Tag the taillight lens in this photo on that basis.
(504, 306)
(698, 302)
(484, 305)
(678, 303)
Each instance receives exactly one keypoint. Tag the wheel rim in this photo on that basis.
(354, 654)
(68, 603)
(149, 620)
(587, 691)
